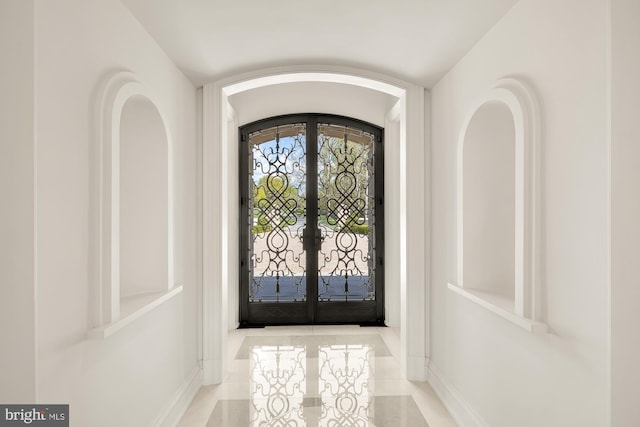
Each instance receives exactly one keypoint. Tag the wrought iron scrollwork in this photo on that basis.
(311, 221)
(346, 213)
(278, 210)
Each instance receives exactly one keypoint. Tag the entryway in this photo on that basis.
(311, 230)
(392, 104)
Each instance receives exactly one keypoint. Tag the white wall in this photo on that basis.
(625, 220)
(17, 208)
(508, 376)
(129, 378)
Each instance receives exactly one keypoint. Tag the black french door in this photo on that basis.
(311, 221)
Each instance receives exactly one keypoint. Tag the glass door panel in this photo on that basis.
(311, 221)
(278, 177)
(346, 214)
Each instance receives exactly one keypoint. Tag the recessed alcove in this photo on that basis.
(497, 233)
(144, 202)
(134, 206)
(489, 203)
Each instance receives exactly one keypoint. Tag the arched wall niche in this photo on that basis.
(133, 206)
(404, 175)
(489, 202)
(497, 176)
(144, 204)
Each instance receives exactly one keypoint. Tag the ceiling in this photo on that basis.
(414, 40)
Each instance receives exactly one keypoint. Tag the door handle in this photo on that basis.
(319, 239)
(309, 240)
(306, 241)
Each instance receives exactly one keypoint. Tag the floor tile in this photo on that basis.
(383, 411)
(313, 342)
(315, 376)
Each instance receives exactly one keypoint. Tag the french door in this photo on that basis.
(311, 221)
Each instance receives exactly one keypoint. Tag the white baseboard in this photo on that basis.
(460, 410)
(180, 401)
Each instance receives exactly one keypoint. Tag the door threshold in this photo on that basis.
(377, 324)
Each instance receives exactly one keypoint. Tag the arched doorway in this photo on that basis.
(406, 179)
(311, 221)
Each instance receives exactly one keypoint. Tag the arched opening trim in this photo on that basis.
(521, 304)
(220, 195)
(114, 307)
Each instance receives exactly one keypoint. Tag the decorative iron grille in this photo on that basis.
(311, 230)
(346, 213)
(277, 210)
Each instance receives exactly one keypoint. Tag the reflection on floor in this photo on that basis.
(315, 376)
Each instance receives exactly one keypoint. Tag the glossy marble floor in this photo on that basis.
(315, 376)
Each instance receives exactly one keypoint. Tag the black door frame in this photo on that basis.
(311, 311)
